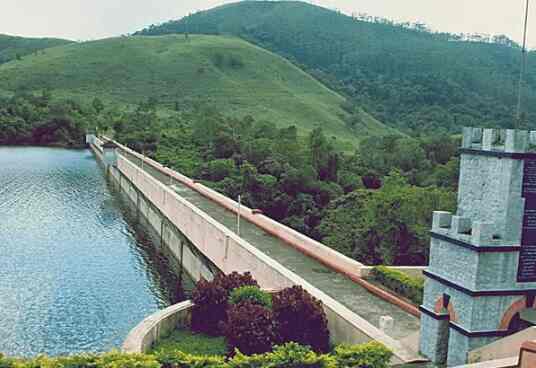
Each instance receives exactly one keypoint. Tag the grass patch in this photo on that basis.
(191, 343)
(407, 286)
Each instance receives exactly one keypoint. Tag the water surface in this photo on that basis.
(76, 273)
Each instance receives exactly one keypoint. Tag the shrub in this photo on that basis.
(301, 318)
(372, 354)
(211, 300)
(235, 62)
(401, 283)
(210, 307)
(252, 294)
(178, 359)
(250, 328)
(235, 280)
(290, 355)
(119, 360)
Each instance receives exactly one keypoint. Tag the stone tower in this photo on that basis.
(482, 270)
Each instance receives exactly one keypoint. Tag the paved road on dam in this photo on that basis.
(336, 285)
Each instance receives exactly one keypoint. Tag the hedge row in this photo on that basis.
(290, 355)
(401, 283)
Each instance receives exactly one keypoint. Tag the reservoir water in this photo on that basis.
(76, 271)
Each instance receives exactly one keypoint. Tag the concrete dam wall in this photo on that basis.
(179, 222)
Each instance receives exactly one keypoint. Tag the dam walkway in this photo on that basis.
(341, 288)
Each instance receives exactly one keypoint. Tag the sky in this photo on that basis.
(94, 19)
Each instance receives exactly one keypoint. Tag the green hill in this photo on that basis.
(12, 47)
(225, 73)
(408, 78)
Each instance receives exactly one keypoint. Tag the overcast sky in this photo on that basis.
(93, 19)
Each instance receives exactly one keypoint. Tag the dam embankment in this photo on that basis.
(353, 312)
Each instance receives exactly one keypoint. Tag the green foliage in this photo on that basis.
(405, 76)
(301, 318)
(191, 343)
(220, 169)
(178, 359)
(250, 328)
(40, 120)
(15, 48)
(372, 354)
(97, 105)
(401, 283)
(289, 355)
(252, 294)
(387, 226)
(175, 71)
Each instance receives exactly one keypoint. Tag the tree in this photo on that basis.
(387, 226)
(97, 105)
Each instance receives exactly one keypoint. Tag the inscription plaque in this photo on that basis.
(527, 256)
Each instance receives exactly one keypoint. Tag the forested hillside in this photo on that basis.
(411, 79)
(225, 74)
(12, 47)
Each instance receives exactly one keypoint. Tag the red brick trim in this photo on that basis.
(440, 305)
(515, 308)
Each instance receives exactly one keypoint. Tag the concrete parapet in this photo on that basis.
(527, 358)
(482, 232)
(505, 140)
(460, 225)
(157, 326)
(506, 347)
(441, 220)
(499, 363)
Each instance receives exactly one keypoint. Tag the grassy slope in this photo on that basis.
(170, 68)
(11, 46)
(404, 77)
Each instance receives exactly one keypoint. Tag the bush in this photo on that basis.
(250, 328)
(405, 285)
(290, 355)
(179, 359)
(372, 354)
(300, 318)
(210, 307)
(235, 280)
(252, 294)
(118, 360)
(211, 301)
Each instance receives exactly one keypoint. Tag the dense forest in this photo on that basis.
(374, 204)
(407, 77)
(27, 119)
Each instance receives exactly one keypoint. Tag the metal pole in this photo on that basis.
(238, 216)
(523, 68)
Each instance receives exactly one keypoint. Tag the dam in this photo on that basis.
(179, 209)
(77, 272)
